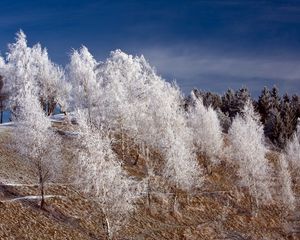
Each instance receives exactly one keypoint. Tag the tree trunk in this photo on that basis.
(51, 107)
(41, 181)
(122, 145)
(136, 159)
(107, 229)
(43, 198)
(1, 109)
(149, 193)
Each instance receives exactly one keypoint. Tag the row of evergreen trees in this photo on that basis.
(278, 113)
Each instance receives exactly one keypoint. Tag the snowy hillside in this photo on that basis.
(130, 157)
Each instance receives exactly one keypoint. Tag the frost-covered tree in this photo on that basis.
(209, 99)
(224, 119)
(242, 96)
(140, 104)
(207, 132)
(2, 64)
(293, 148)
(288, 197)
(19, 70)
(248, 152)
(82, 75)
(233, 102)
(50, 80)
(101, 176)
(32, 65)
(34, 140)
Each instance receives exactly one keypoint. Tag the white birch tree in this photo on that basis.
(82, 75)
(34, 139)
(292, 148)
(53, 89)
(139, 102)
(207, 132)
(19, 70)
(25, 64)
(287, 195)
(248, 151)
(102, 177)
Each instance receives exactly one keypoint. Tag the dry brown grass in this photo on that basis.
(219, 210)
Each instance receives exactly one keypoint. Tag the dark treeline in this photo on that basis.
(3, 98)
(278, 113)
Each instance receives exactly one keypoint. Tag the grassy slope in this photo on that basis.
(219, 211)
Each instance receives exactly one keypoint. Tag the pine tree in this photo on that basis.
(242, 96)
(228, 103)
(288, 119)
(295, 102)
(275, 98)
(264, 104)
(209, 99)
(274, 128)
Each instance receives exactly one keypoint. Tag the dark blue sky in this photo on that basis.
(212, 45)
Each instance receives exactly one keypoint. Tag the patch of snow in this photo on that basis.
(18, 184)
(7, 124)
(32, 198)
(58, 117)
(56, 121)
(61, 117)
(5, 182)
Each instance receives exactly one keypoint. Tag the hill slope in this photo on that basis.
(219, 211)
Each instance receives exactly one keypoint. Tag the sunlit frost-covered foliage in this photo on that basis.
(102, 177)
(82, 75)
(35, 140)
(32, 65)
(19, 68)
(293, 148)
(135, 99)
(248, 152)
(50, 80)
(288, 197)
(207, 132)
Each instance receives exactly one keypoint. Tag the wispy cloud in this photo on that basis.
(220, 71)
